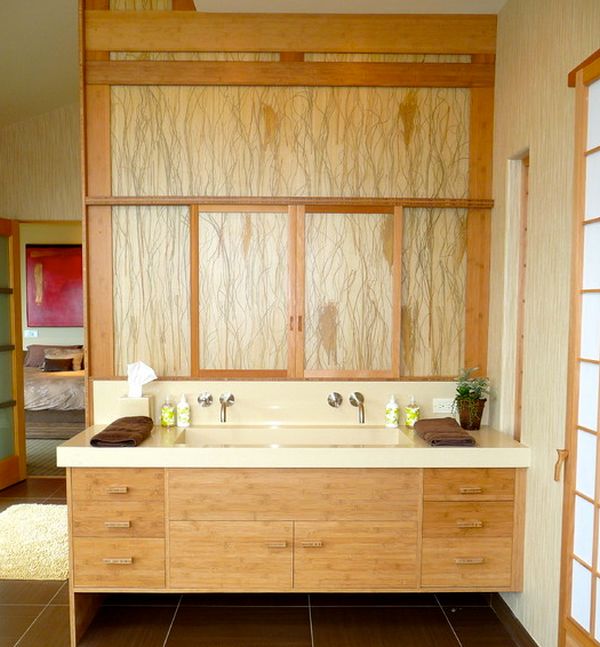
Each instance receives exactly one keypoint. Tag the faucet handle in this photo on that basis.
(334, 400)
(205, 399)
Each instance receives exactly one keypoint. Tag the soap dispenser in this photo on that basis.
(167, 414)
(183, 412)
(392, 413)
(412, 412)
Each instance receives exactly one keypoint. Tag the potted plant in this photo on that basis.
(470, 398)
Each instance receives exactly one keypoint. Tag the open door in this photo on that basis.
(12, 428)
(580, 575)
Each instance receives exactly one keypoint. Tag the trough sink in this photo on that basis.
(290, 436)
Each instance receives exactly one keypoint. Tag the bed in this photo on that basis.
(54, 399)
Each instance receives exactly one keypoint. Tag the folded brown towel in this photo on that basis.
(444, 432)
(124, 432)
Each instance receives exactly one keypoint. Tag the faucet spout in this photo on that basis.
(226, 400)
(357, 399)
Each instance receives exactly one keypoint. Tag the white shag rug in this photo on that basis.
(34, 542)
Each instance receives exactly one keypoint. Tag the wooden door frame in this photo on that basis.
(14, 468)
(570, 634)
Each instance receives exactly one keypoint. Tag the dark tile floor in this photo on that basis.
(35, 614)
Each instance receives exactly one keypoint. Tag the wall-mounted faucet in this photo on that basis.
(226, 400)
(358, 400)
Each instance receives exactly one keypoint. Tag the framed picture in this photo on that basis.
(54, 285)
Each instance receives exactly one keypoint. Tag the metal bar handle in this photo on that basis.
(312, 544)
(123, 561)
(469, 560)
(470, 490)
(117, 524)
(476, 523)
(277, 544)
(117, 489)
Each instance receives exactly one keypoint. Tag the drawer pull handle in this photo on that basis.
(117, 489)
(277, 544)
(123, 561)
(117, 524)
(469, 560)
(476, 523)
(312, 544)
(470, 490)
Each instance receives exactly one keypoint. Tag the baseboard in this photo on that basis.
(511, 623)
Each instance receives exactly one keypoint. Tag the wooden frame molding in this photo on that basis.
(183, 31)
(251, 73)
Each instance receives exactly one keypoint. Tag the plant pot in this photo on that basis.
(470, 412)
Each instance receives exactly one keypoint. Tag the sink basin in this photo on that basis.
(235, 436)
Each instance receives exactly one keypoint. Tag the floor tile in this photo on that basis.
(373, 600)
(476, 626)
(62, 597)
(14, 621)
(28, 591)
(464, 599)
(34, 487)
(129, 627)
(381, 627)
(51, 629)
(141, 600)
(240, 627)
(245, 599)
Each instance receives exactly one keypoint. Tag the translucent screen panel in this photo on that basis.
(244, 280)
(590, 326)
(588, 395)
(5, 320)
(434, 270)
(581, 595)
(584, 530)
(290, 141)
(592, 184)
(597, 621)
(6, 389)
(7, 443)
(591, 257)
(348, 291)
(593, 115)
(151, 288)
(586, 463)
(4, 263)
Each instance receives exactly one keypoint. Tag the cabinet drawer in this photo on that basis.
(298, 494)
(118, 519)
(231, 555)
(496, 484)
(456, 563)
(122, 563)
(342, 556)
(120, 484)
(469, 520)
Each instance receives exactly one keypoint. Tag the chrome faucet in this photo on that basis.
(358, 400)
(227, 400)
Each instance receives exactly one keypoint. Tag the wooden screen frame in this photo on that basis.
(102, 30)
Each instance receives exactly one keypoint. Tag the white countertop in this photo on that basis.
(351, 446)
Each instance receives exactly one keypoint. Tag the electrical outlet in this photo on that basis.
(30, 333)
(442, 405)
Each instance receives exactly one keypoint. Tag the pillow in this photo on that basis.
(76, 356)
(57, 364)
(36, 353)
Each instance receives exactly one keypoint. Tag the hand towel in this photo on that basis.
(124, 432)
(443, 432)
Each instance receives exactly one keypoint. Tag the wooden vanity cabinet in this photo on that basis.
(347, 529)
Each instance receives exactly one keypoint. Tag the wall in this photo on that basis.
(50, 234)
(40, 176)
(539, 41)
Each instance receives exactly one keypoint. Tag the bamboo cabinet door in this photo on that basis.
(580, 613)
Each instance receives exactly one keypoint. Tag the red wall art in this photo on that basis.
(54, 285)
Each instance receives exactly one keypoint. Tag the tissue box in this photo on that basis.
(136, 406)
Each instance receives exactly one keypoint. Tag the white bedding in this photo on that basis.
(61, 390)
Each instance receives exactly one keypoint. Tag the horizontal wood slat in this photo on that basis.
(181, 31)
(251, 73)
(312, 204)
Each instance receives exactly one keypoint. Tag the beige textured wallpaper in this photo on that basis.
(539, 41)
(40, 177)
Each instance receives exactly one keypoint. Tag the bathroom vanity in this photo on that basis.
(379, 512)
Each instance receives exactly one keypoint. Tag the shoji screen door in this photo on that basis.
(580, 616)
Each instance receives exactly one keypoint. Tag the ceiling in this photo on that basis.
(38, 41)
